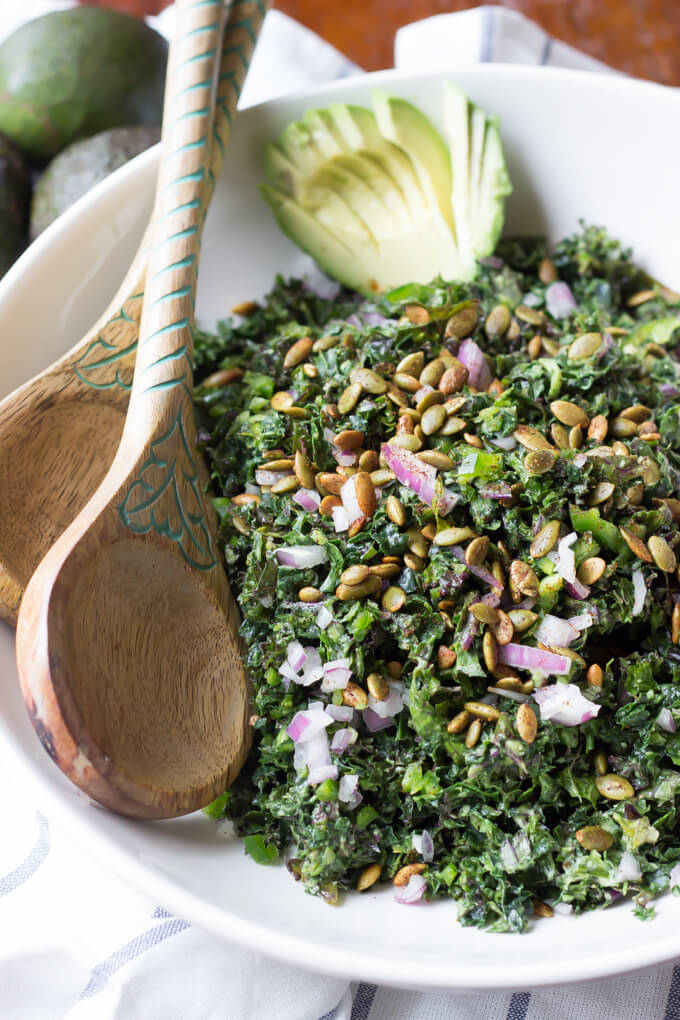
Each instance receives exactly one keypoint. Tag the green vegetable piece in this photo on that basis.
(657, 331)
(549, 589)
(328, 790)
(606, 533)
(366, 816)
(261, 852)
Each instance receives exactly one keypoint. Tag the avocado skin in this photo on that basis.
(73, 73)
(15, 198)
(82, 165)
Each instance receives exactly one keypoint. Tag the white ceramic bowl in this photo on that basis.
(578, 145)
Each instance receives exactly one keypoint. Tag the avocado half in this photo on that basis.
(379, 198)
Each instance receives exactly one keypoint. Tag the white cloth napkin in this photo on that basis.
(77, 943)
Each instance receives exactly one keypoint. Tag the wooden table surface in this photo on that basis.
(641, 37)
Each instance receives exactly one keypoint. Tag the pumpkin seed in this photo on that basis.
(459, 722)
(651, 472)
(437, 459)
(364, 491)
(531, 438)
(463, 322)
(222, 377)
(301, 413)
(476, 551)
(354, 696)
(396, 396)
(526, 723)
(349, 439)
(662, 554)
(355, 527)
(640, 298)
(388, 570)
(539, 462)
(484, 613)
(327, 503)
(473, 734)
(534, 347)
(281, 401)
(576, 437)
(489, 653)
(594, 675)
(282, 464)
(591, 570)
(324, 343)
(394, 669)
(432, 373)
(600, 762)
(513, 331)
(352, 592)
(417, 315)
(592, 837)
(331, 481)
(303, 470)
(635, 493)
(369, 381)
(368, 461)
(560, 436)
(300, 351)
(452, 426)
(240, 525)
(497, 322)
(545, 540)
(614, 787)
(636, 545)
(433, 397)
(637, 413)
(473, 440)
(547, 271)
(523, 581)
(454, 536)
(598, 428)
(394, 508)
(410, 443)
(404, 874)
(531, 315)
(620, 449)
(507, 683)
(503, 630)
(378, 687)
(601, 493)
(310, 370)
(446, 657)
(407, 382)
(310, 594)
(675, 624)
(244, 498)
(383, 476)
(481, 710)
(414, 562)
(454, 378)
(542, 909)
(393, 599)
(412, 364)
(569, 414)
(355, 574)
(433, 419)
(622, 428)
(522, 619)
(584, 346)
(286, 484)
(368, 877)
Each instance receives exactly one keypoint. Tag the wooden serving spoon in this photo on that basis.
(127, 640)
(59, 432)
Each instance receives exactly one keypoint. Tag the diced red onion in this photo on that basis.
(391, 705)
(496, 490)
(373, 319)
(580, 459)
(527, 657)
(505, 443)
(337, 664)
(307, 724)
(470, 630)
(412, 892)
(350, 502)
(374, 722)
(665, 720)
(423, 845)
(320, 285)
(559, 300)
(311, 666)
(563, 908)
(566, 561)
(674, 877)
(353, 320)
(320, 773)
(308, 499)
(348, 787)
(526, 604)
(252, 490)
(554, 631)
(345, 458)
(420, 477)
(341, 713)
(301, 557)
(340, 518)
(492, 261)
(481, 572)
(564, 704)
(472, 356)
(639, 591)
(668, 391)
(581, 622)
(342, 739)
(513, 695)
(296, 655)
(606, 345)
(265, 477)
(324, 618)
(628, 869)
(335, 679)
(577, 590)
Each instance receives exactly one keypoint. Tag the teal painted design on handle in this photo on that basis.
(101, 354)
(153, 502)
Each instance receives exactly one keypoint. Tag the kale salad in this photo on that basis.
(450, 515)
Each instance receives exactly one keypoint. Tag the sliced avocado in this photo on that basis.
(405, 125)
(373, 197)
(82, 165)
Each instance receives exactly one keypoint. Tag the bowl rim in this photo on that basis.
(192, 906)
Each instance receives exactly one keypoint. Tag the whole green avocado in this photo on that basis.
(15, 196)
(82, 165)
(70, 74)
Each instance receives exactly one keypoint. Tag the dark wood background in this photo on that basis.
(641, 37)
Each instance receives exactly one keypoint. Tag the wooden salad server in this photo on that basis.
(59, 432)
(127, 639)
